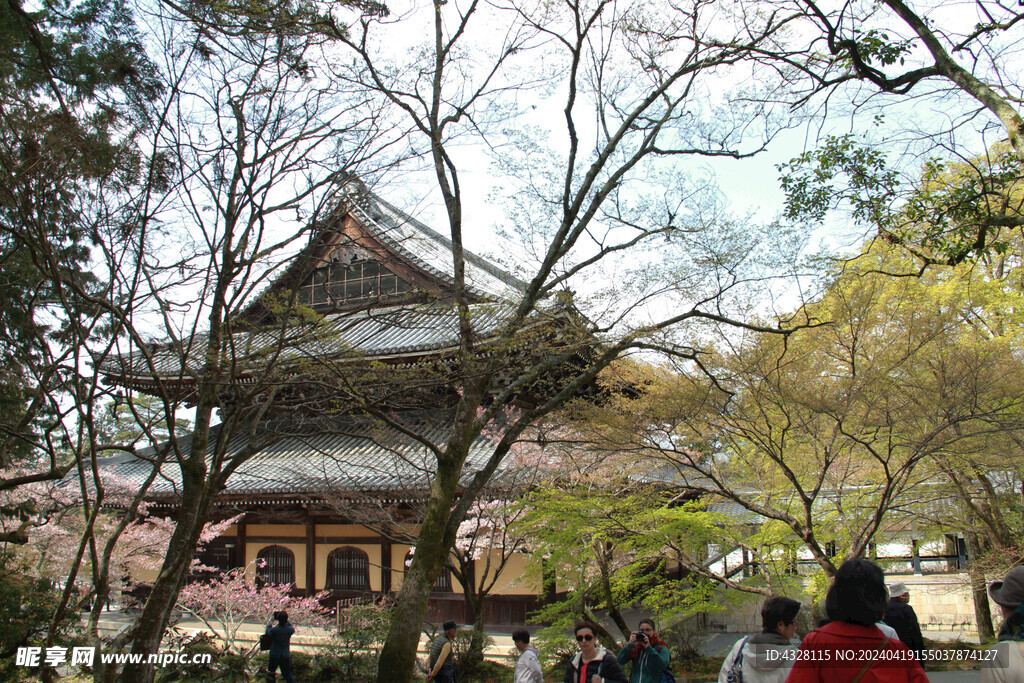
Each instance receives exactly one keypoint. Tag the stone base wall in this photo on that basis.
(942, 603)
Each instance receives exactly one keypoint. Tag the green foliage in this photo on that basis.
(555, 647)
(841, 169)
(683, 638)
(201, 643)
(876, 47)
(304, 666)
(26, 606)
(138, 420)
(468, 647)
(75, 84)
(488, 672)
(958, 210)
(352, 654)
(232, 667)
(614, 543)
(962, 210)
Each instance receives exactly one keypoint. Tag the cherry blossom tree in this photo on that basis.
(233, 598)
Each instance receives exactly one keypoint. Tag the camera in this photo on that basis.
(641, 637)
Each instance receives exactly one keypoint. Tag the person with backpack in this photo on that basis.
(280, 648)
(767, 656)
(648, 656)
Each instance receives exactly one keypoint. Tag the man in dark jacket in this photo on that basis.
(280, 648)
(442, 659)
(901, 616)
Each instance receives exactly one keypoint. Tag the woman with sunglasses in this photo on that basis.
(592, 664)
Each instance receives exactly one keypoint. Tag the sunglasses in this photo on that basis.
(585, 637)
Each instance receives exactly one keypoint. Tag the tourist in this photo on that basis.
(528, 665)
(767, 656)
(648, 656)
(592, 664)
(442, 659)
(1007, 664)
(850, 647)
(901, 616)
(280, 649)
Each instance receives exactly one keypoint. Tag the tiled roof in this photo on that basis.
(427, 249)
(672, 474)
(409, 330)
(321, 458)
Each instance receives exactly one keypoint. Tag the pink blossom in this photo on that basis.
(233, 598)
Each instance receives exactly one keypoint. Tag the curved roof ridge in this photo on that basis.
(385, 219)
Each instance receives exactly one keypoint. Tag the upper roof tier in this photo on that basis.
(382, 284)
(411, 240)
(369, 253)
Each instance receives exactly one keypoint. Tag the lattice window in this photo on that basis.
(443, 584)
(277, 565)
(348, 569)
(340, 282)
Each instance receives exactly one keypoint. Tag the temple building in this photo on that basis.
(331, 502)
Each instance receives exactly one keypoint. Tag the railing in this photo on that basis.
(896, 564)
(343, 603)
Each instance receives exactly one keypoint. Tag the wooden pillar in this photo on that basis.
(240, 550)
(310, 555)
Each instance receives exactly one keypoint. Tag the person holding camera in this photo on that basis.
(280, 648)
(648, 656)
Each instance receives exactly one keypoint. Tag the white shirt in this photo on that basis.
(528, 667)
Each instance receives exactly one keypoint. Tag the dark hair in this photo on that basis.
(448, 625)
(521, 635)
(282, 617)
(580, 625)
(648, 621)
(858, 594)
(778, 609)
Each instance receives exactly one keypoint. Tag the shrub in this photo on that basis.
(199, 644)
(488, 672)
(26, 606)
(683, 638)
(352, 654)
(468, 648)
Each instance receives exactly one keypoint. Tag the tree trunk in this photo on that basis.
(475, 605)
(605, 553)
(475, 656)
(398, 656)
(148, 630)
(982, 613)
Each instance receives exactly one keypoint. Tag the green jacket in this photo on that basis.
(648, 665)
